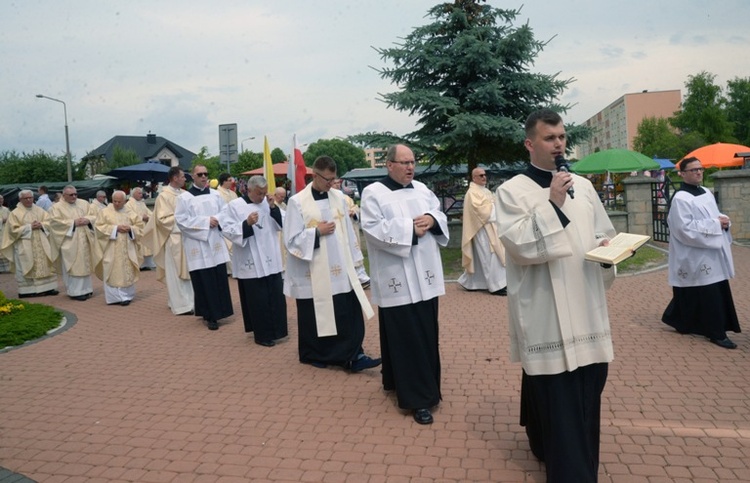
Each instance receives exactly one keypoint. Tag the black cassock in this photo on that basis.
(263, 307)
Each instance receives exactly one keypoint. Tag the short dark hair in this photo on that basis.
(223, 177)
(42, 189)
(173, 172)
(547, 116)
(683, 164)
(325, 163)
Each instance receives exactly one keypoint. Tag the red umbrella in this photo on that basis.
(279, 169)
(719, 155)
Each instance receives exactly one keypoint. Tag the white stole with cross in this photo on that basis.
(319, 268)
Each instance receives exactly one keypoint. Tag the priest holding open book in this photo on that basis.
(559, 325)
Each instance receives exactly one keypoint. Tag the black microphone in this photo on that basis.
(562, 165)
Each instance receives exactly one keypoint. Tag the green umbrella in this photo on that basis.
(614, 161)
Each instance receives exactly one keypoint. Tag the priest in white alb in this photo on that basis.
(164, 238)
(138, 206)
(483, 256)
(72, 225)
(26, 243)
(321, 275)
(206, 251)
(119, 231)
(405, 228)
(253, 223)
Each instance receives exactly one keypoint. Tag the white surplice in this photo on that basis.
(255, 256)
(402, 273)
(204, 246)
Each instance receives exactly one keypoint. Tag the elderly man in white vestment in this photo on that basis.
(118, 231)
(404, 228)
(321, 277)
(72, 225)
(138, 206)
(26, 242)
(4, 214)
(164, 238)
(253, 223)
(206, 251)
(100, 202)
(559, 325)
(483, 256)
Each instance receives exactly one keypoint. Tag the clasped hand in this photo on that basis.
(326, 227)
(422, 224)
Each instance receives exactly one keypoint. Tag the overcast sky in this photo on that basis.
(178, 69)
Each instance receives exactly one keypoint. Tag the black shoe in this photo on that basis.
(725, 343)
(265, 343)
(50, 292)
(363, 363)
(125, 303)
(423, 416)
(26, 295)
(81, 297)
(503, 291)
(189, 312)
(213, 325)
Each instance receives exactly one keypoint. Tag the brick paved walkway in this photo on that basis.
(135, 394)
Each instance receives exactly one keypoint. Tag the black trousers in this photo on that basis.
(562, 414)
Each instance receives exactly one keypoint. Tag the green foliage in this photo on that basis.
(347, 155)
(703, 110)
(645, 257)
(738, 108)
(35, 167)
(655, 138)
(247, 161)
(122, 157)
(466, 78)
(277, 156)
(29, 323)
(212, 163)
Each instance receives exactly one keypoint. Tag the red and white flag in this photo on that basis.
(300, 170)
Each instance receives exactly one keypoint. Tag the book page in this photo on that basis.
(628, 240)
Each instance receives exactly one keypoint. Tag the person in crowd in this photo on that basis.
(164, 238)
(4, 214)
(700, 261)
(100, 202)
(138, 206)
(26, 242)
(72, 226)
(279, 196)
(196, 214)
(43, 201)
(226, 187)
(404, 228)
(253, 223)
(559, 325)
(353, 212)
(321, 277)
(119, 231)
(483, 256)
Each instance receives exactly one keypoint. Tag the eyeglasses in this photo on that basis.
(694, 170)
(482, 175)
(26, 198)
(327, 180)
(405, 163)
(71, 194)
(201, 174)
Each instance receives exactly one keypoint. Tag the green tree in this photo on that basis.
(738, 108)
(35, 167)
(466, 78)
(347, 155)
(247, 161)
(277, 156)
(212, 163)
(656, 138)
(123, 157)
(703, 110)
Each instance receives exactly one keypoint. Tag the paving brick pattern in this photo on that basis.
(135, 394)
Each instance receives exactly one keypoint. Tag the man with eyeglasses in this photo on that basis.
(700, 261)
(483, 256)
(404, 228)
(321, 275)
(165, 239)
(72, 225)
(26, 242)
(206, 251)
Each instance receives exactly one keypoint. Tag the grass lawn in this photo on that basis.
(26, 321)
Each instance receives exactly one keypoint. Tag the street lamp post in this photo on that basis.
(242, 143)
(67, 137)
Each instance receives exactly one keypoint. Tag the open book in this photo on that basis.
(620, 247)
